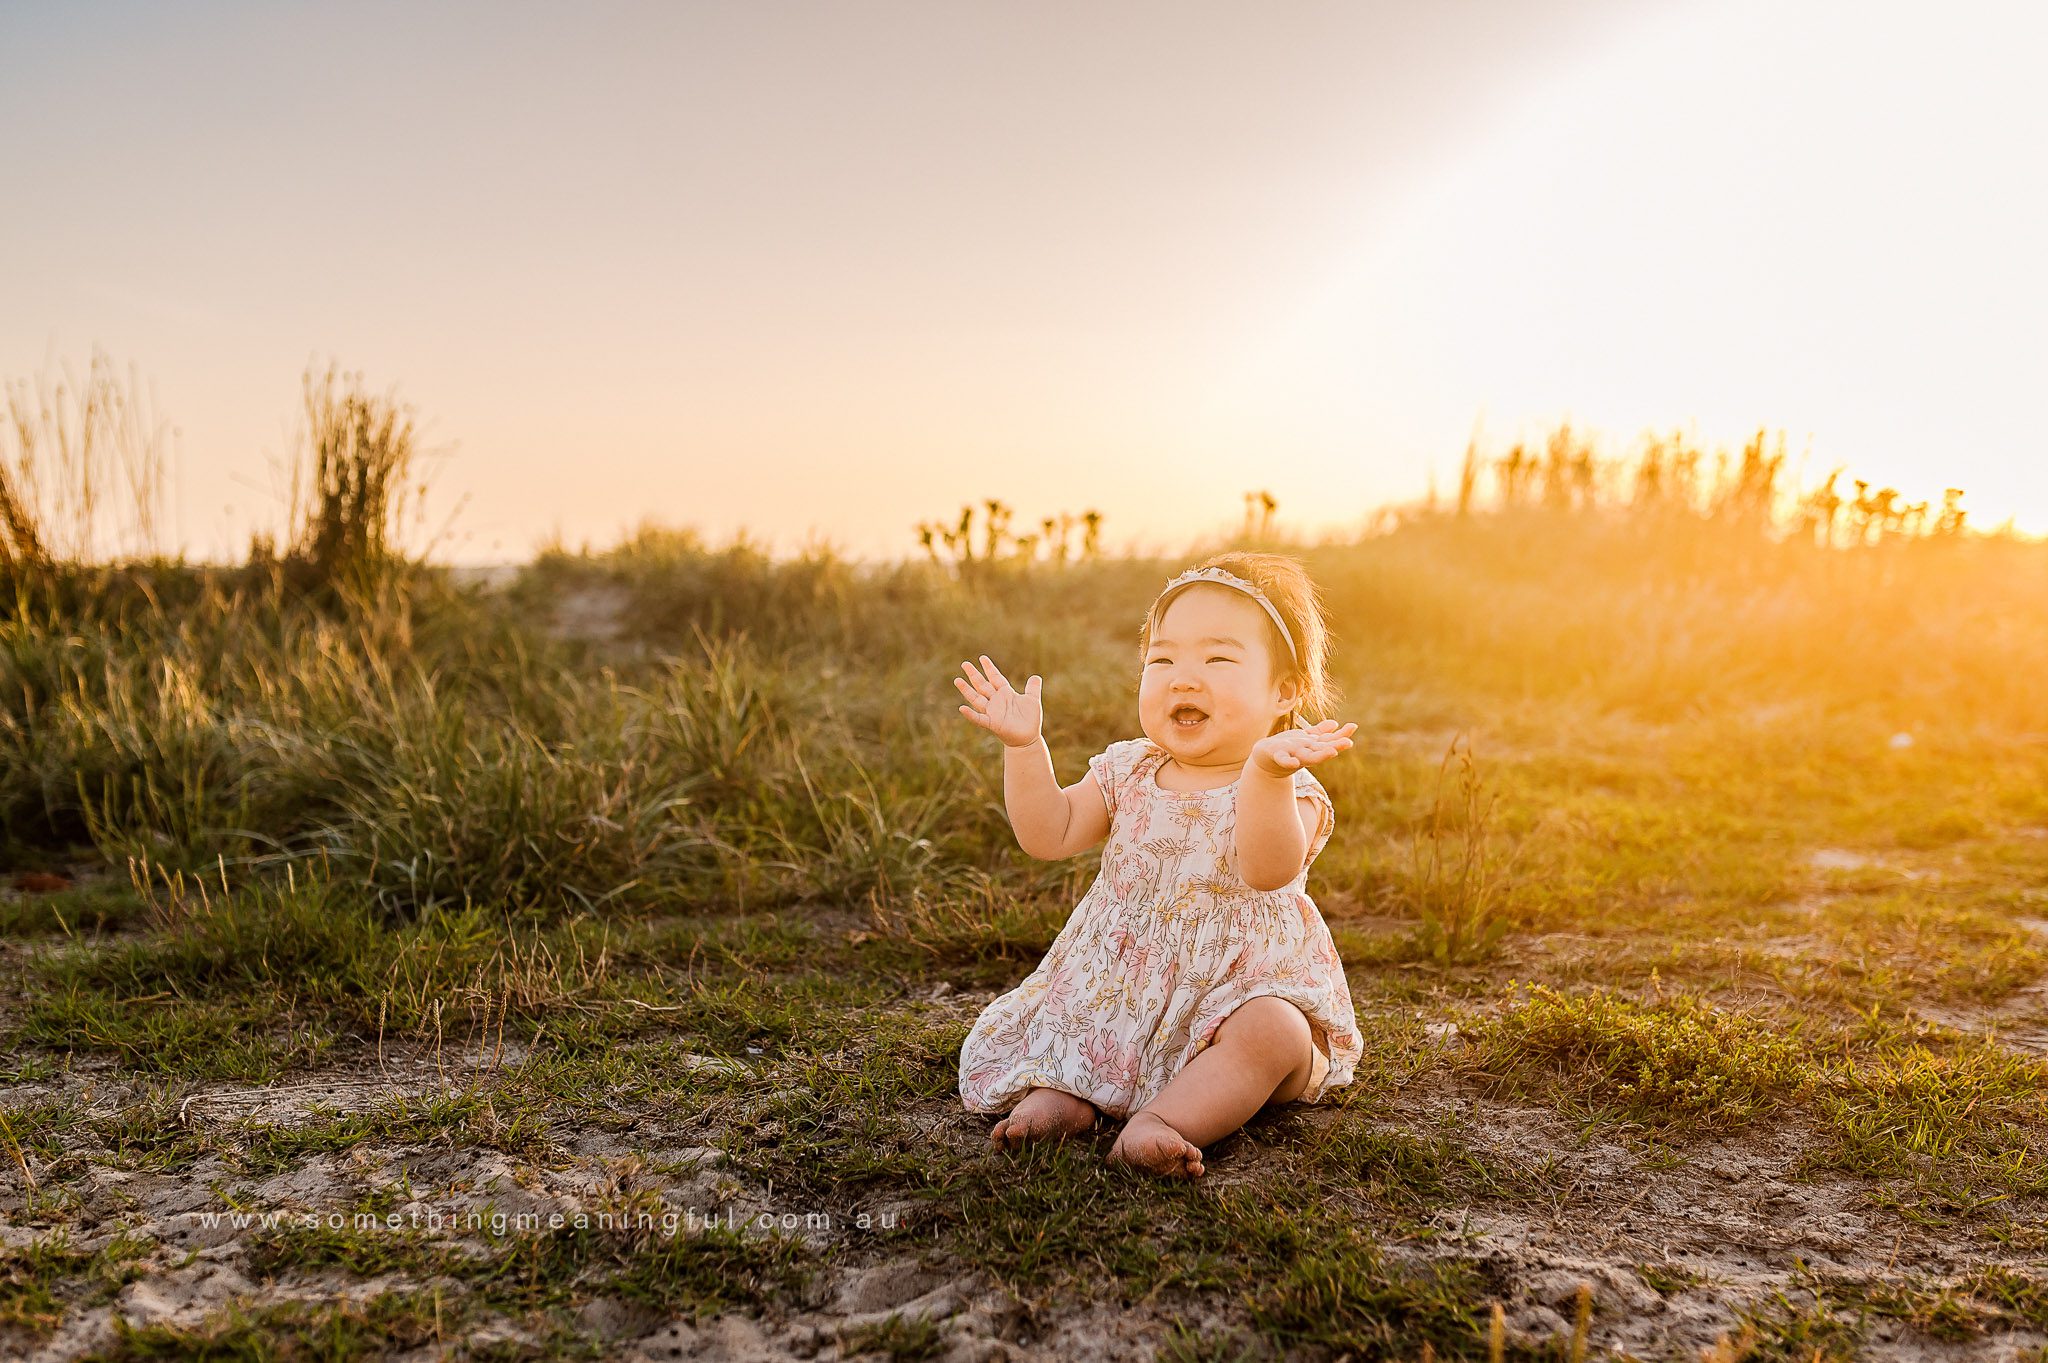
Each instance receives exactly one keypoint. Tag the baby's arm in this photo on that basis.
(1273, 831)
(1276, 828)
(1050, 823)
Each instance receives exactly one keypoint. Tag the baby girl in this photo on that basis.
(1195, 983)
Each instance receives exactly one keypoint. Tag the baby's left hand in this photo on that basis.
(1288, 751)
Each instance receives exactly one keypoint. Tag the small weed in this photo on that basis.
(903, 1339)
(1459, 905)
(1184, 1345)
(1665, 1279)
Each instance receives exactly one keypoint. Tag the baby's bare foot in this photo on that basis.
(1043, 1114)
(1148, 1143)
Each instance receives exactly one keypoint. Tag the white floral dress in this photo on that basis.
(1163, 946)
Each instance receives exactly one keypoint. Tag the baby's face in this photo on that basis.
(1209, 657)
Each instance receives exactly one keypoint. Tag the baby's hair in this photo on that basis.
(1293, 593)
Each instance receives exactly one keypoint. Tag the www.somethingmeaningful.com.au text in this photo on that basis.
(500, 1223)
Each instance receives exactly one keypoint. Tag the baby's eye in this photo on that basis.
(1223, 660)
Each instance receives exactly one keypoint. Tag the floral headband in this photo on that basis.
(1231, 580)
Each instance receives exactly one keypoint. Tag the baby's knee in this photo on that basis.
(1269, 1023)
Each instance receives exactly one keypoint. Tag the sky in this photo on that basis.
(824, 271)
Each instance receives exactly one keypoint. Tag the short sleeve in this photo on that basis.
(1109, 767)
(1306, 786)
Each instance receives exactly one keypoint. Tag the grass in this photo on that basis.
(1456, 905)
(30, 1275)
(294, 1331)
(694, 1273)
(680, 846)
(1959, 1114)
(1417, 1174)
(904, 1340)
(1675, 1063)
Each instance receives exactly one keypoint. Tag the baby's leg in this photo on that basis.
(1043, 1114)
(1261, 1053)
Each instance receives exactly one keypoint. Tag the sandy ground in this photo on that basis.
(1733, 1219)
(1732, 1225)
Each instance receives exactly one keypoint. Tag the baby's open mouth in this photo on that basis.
(1187, 717)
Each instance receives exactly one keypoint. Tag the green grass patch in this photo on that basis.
(295, 1332)
(1667, 1065)
(1955, 1114)
(43, 1279)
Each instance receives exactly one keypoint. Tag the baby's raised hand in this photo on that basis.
(1288, 751)
(1011, 715)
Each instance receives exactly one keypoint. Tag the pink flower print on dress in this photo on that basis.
(1133, 952)
(1123, 984)
(1161, 945)
(1129, 877)
(1059, 988)
(1111, 1061)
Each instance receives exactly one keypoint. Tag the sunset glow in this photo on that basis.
(830, 272)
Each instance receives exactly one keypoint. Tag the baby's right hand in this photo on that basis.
(1013, 716)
